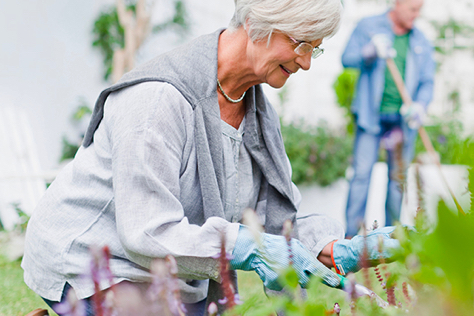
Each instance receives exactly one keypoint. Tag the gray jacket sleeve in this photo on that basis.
(149, 145)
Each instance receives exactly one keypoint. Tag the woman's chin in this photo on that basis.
(277, 84)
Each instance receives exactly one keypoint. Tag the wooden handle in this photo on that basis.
(38, 312)
(425, 139)
(397, 77)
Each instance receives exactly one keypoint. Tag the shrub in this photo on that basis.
(446, 138)
(344, 87)
(317, 154)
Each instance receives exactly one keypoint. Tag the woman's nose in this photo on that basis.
(304, 61)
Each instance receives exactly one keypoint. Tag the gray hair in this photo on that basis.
(306, 20)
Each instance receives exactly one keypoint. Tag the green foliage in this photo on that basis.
(464, 152)
(20, 227)
(440, 259)
(24, 218)
(447, 135)
(433, 274)
(344, 87)
(69, 150)
(81, 112)
(441, 262)
(447, 140)
(291, 302)
(15, 297)
(451, 28)
(317, 154)
(109, 35)
(178, 22)
(471, 185)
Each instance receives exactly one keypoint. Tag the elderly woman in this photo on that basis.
(174, 153)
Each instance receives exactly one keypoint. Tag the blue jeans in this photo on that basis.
(366, 148)
(193, 309)
(67, 287)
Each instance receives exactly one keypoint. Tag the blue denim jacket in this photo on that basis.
(419, 71)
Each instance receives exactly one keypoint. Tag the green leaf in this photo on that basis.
(313, 309)
(289, 278)
(450, 248)
(69, 150)
(317, 154)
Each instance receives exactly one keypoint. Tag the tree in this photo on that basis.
(119, 31)
(136, 26)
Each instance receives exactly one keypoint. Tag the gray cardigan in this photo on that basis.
(80, 207)
(192, 70)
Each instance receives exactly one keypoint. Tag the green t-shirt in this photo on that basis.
(391, 99)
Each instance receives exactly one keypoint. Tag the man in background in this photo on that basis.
(378, 108)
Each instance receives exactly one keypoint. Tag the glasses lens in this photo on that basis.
(317, 52)
(303, 48)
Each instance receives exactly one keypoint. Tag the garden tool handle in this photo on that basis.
(392, 67)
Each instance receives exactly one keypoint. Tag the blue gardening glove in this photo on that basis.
(346, 252)
(414, 114)
(269, 256)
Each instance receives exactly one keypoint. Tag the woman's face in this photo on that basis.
(275, 62)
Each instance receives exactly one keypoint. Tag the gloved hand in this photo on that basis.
(380, 46)
(414, 114)
(269, 256)
(346, 253)
(383, 46)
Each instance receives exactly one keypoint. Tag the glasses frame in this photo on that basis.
(304, 47)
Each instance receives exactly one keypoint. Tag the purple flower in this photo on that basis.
(212, 309)
(350, 287)
(164, 290)
(128, 299)
(71, 306)
(392, 139)
(441, 139)
(237, 299)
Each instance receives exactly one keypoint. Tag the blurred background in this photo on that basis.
(54, 61)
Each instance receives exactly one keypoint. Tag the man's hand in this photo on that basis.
(383, 46)
(414, 114)
(380, 46)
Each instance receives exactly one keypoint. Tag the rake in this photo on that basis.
(392, 67)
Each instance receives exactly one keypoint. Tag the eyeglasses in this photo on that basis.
(303, 48)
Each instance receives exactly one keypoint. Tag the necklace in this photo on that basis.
(227, 97)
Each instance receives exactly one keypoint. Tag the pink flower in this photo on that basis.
(212, 309)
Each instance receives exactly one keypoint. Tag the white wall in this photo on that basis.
(47, 62)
